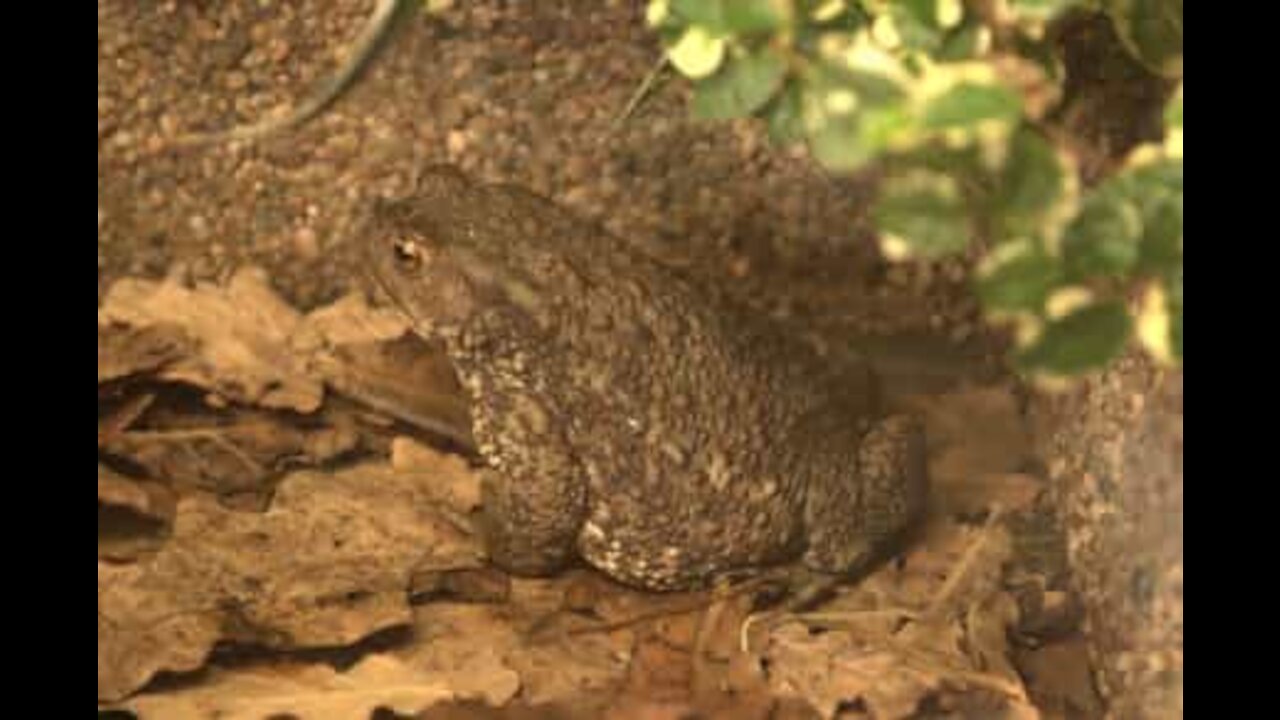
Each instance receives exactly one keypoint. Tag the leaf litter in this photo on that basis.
(350, 437)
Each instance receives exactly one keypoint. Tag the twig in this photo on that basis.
(966, 563)
(701, 604)
(640, 94)
(124, 418)
(367, 46)
(216, 436)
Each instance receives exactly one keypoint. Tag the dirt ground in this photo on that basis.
(526, 93)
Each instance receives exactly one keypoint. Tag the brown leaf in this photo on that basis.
(134, 516)
(121, 417)
(124, 352)
(483, 585)
(241, 454)
(987, 630)
(318, 692)
(460, 636)
(890, 680)
(473, 710)
(405, 379)
(242, 332)
(327, 565)
(370, 355)
(242, 342)
(144, 498)
(828, 670)
(352, 321)
(453, 481)
(932, 626)
(949, 567)
(968, 560)
(1059, 679)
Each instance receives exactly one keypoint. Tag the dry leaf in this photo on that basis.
(890, 680)
(931, 626)
(318, 692)
(134, 516)
(124, 352)
(829, 671)
(948, 568)
(473, 710)
(987, 625)
(453, 481)
(483, 585)
(244, 343)
(242, 333)
(327, 565)
(241, 454)
(1059, 679)
(405, 379)
(352, 321)
(1013, 492)
(119, 417)
(455, 636)
(371, 356)
(139, 496)
(969, 560)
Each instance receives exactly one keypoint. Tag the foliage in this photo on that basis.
(949, 99)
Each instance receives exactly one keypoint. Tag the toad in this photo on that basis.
(630, 416)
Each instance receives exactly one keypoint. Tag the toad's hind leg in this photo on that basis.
(852, 520)
(534, 496)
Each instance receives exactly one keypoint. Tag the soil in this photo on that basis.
(524, 93)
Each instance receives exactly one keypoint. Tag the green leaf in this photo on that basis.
(1085, 340)
(697, 53)
(1152, 30)
(1019, 278)
(1173, 286)
(1157, 191)
(1042, 54)
(962, 163)
(829, 15)
(1032, 183)
(915, 23)
(785, 116)
(1104, 239)
(852, 117)
(965, 43)
(706, 13)
(968, 104)
(839, 146)
(1173, 112)
(1158, 178)
(872, 88)
(924, 12)
(1039, 9)
(727, 17)
(740, 88)
(924, 211)
(750, 16)
(849, 144)
(1162, 236)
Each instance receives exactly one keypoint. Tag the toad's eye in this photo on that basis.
(410, 255)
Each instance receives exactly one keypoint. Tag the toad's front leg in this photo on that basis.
(534, 495)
